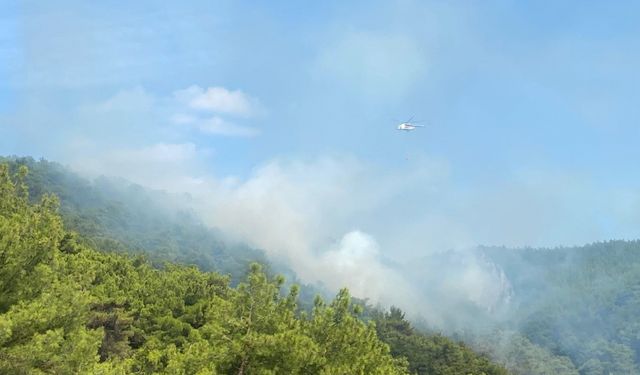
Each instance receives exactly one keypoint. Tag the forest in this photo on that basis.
(146, 277)
(581, 303)
(68, 308)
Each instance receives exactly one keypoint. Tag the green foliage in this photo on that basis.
(114, 215)
(68, 309)
(522, 357)
(42, 309)
(430, 354)
(337, 329)
(579, 304)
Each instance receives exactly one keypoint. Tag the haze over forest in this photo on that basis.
(222, 133)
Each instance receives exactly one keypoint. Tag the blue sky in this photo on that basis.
(530, 108)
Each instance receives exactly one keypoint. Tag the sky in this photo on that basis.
(281, 116)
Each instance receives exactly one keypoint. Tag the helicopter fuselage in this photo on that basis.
(406, 126)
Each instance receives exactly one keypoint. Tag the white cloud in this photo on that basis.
(218, 100)
(135, 116)
(215, 125)
(205, 110)
(149, 139)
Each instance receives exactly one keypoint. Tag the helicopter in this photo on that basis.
(409, 125)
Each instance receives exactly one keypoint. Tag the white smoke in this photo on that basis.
(356, 262)
(323, 218)
(344, 223)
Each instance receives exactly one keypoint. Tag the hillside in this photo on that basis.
(566, 310)
(580, 302)
(68, 308)
(115, 215)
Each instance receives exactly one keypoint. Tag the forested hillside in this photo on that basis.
(578, 302)
(115, 215)
(568, 310)
(68, 308)
(429, 354)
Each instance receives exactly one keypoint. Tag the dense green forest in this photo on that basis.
(68, 308)
(578, 302)
(570, 310)
(114, 215)
(111, 214)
